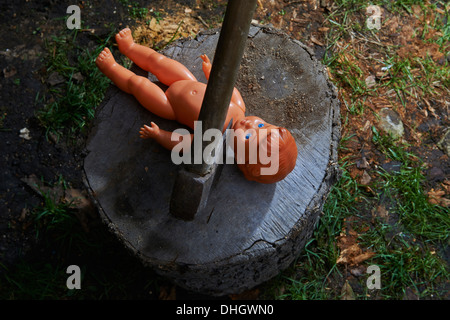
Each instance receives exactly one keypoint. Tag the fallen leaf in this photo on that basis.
(85, 208)
(446, 186)
(430, 108)
(344, 241)
(77, 199)
(23, 214)
(410, 294)
(370, 81)
(437, 197)
(347, 255)
(367, 125)
(362, 163)
(154, 25)
(381, 212)
(55, 78)
(347, 292)
(362, 257)
(365, 179)
(55, 193)
(358, 271)
(316, 41)
(9, 72)
(78, 76)
(353, 255)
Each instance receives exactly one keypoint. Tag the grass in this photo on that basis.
(135, 10)
(315, 275)
(407, 250)
(70, 106)
(34, 281)
(412, 77)
(406, 263)
(408, 245)
(417, 214)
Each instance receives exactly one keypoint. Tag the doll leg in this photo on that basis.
(149, 95)
(165, 69)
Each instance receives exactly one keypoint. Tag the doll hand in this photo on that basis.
(149, 132)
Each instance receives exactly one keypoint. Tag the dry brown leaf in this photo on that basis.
(80, 201)
(362, 257)
(381, 212)
(316, 41)
(55, 193)
(345, 241)
(161, 31)
(370, 81)
(437, 197)
(362, 163)
(358, 271)
(351, 253)
(76, 198)
(354, 256)
(410, 294)
(430, 108)
(446, 186)
(366, 126)
(365, 179)
(347, 255)
(24, 214)
(9, 71)
(347, 292)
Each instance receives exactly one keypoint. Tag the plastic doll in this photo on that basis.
(182, 102)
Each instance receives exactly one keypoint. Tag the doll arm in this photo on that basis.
(206, 65)
(236, 97)
(163, 137)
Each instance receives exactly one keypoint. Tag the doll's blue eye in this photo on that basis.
(260, 125)
(247, 136)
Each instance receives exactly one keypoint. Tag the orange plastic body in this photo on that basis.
(182, 100)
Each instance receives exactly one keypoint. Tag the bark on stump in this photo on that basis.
(249, 232)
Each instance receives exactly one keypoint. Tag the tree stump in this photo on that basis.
(249, 231)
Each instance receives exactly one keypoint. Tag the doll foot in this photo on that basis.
(124, 40)
(105, 60)
(205, 59)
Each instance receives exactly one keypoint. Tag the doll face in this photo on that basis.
(251, 130)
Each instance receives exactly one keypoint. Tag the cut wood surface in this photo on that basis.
(249, 232)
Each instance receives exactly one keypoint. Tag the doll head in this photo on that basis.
(265, 153)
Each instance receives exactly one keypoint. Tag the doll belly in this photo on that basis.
(186, 98)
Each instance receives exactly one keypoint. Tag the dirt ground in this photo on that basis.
(27, 25)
